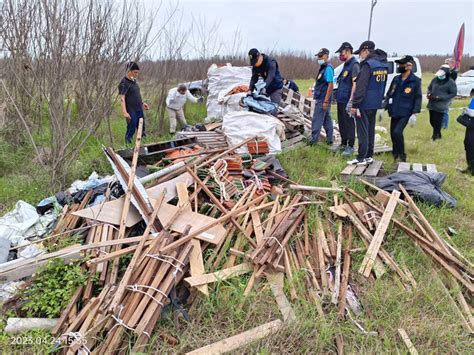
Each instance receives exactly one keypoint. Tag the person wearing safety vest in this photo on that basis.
(322, 97)
(345, 90)
(368, 97)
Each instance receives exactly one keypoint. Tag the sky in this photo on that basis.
(399, 26)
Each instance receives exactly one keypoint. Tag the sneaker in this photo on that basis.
(348, 152)
(369, 160)
(356, 162)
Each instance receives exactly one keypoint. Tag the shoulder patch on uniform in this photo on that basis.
(407, 90)
(346, 73)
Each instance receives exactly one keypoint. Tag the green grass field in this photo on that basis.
(425, 314)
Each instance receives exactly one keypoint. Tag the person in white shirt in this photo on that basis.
(175, 101)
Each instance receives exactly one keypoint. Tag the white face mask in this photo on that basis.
(321, 61)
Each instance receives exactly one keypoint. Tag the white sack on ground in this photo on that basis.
(238, 126)
(221, 81)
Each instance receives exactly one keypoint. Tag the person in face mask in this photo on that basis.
(441, 91)
(131, 101)
(175, 101)
(345, 90)
(403, 102)
(322, 97)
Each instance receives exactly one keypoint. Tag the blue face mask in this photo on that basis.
(441, 77)
(321, 61)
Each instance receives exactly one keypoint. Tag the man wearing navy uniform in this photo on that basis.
(266, 67)
(403, 102)
(322, 97)
(368, 97)
(345, 90)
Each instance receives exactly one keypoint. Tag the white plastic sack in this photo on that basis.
(238, 126)
(220, 81)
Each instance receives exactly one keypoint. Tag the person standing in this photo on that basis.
(403, 103)
(368, 97)
(290, 84)
(467, 120)
(322, 96)
(345, 90)
(175, 101)
(454, 75)
(440, 92)
(266, 67)
(131, 101)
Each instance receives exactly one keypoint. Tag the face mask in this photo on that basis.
(342, 57)
(441, 77)
(321, 61)
(401, 69)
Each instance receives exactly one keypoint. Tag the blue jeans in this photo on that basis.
(132, 126)
(321, 118)
(445, 123)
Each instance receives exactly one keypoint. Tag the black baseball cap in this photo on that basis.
(253, 56)
(405, 59)
(365, 45)
(344, 45)
(322, 52)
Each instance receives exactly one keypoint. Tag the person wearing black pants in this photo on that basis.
(440, 92)
(403, 102)
(467, 120)
(366, 134)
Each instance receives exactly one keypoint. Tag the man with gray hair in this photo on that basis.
(175, 101)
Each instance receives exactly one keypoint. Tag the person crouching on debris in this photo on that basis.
(290, 84)
(467, 120)
(440, 92)
(175, 101)
(131, 101)
(403, 102)
(322, 96)
(266, 67)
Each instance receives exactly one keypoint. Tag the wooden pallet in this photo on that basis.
(208, 139)
(365, 172)
(430, 168)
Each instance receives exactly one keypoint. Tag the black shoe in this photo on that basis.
(396, 158)
(466, 171)
(403, 158)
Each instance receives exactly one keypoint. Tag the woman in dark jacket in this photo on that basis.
(440, 92)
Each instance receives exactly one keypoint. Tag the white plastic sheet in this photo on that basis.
(220, 81)
(238, 126)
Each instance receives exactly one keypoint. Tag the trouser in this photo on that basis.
(366, 133)
(276, 98)
(321, 118)
(436, 120)
(132, 126)
(469, 147)
(397, 125)
(176, 116)
(445, 120)
(346, 125)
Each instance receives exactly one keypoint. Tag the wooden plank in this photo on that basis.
(348, 170)
(407, 341)
(337, 281)
(374, 168)
(219, 275)
(359, 170)
(431, 168)
(239, 340)
(417, 167)
(369, 259)
(403, 167)
(276, 280)
(257, 226)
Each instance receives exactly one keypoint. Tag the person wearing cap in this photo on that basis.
(368, 97)
(290, 84)
(467, 120)
(441, 91)
(266, 67)
(454, 75)
(322, 97)
(175, 101)
(131, 101)
(345, 90)
(403, 102)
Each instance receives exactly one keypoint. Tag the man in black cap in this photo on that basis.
(266, 67)
(403, 102)
(368, 97)
(131, 101)
(345, 90)
(322, 97)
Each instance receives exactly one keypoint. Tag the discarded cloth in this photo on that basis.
(259, 103)
(420, 184)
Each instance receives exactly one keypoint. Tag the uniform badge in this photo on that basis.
(346, 73)
(407, 90)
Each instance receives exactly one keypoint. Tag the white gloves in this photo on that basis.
(412, 120)
(349, 107)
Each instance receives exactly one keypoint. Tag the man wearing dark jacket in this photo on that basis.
(290, 84)
(467, 120)
(266, 67)
(403, 102)
(368, 97)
